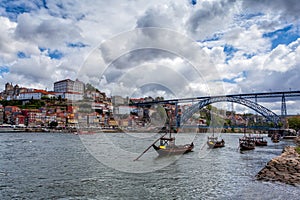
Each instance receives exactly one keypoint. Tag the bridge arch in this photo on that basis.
(268, 114)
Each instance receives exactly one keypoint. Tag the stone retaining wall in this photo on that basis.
(284, 168)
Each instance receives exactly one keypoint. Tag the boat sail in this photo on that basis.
(212, 141)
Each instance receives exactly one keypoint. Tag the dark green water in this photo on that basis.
(63, 166)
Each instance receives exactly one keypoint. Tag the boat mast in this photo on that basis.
(170, 122)
(212, 123)
(246, 123)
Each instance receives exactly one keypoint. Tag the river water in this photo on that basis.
(68, 166)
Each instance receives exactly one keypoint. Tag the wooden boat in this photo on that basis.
(213, 142)
(275, 138)
(260, 141)
(167, 147)
(247, 143)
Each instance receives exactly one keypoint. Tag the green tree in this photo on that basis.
(294, 123)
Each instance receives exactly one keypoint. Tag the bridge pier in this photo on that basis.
(283, 111)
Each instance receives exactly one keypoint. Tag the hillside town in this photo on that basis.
(30, 107)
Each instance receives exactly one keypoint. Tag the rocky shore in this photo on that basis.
(284, 168)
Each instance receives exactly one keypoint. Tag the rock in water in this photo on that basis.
(284, 168)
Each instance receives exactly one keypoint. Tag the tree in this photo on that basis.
(294, 123)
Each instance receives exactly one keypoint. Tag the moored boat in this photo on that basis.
(247, 143)
(275, 138)
(213, 142)
(260, 141)
(167, 147)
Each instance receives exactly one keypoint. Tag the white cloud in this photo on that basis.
(48, 32)
(240, 24)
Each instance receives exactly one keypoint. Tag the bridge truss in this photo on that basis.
(268, 114)
(243, 99)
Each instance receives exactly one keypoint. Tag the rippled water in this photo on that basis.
(62, 166)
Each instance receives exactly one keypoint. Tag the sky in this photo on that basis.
(175, 49)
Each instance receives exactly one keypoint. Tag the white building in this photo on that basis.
(30, 95)
(68, 89)
(68, 85)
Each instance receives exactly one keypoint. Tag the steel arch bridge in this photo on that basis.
(268, 114)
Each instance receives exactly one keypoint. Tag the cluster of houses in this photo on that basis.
(57, 109)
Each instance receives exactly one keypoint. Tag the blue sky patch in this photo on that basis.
(45, 4)
(3, 69)
(229, 50)
(215, 37)
(53, 54)
(249, 55)
(193, 2)
(15, 8)
(22, 55)
(285, 36)
(233, 80)
(247, 16)
(42, 49)
(76, 45)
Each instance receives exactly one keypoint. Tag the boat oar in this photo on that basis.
(149, 147)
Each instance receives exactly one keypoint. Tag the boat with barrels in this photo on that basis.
(168, 147)
(260, 141)
(247, 143)
(213, 142)
(275, 138)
